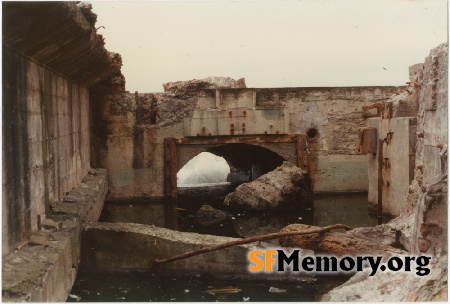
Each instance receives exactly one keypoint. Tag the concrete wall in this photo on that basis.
(398, 164)
(427, 200)
(46, 149)
(52, 54)
(126, 247)
(131, 147)
(44, 269)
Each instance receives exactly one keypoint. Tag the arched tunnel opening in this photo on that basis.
(212, 174)
(233, 163)
(209, 176)
(247, 162)
(204, 168)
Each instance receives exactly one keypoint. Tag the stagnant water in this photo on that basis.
(143, 287)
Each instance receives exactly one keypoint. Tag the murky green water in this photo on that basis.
(143, 287)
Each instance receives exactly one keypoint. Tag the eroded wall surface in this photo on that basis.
(424, 223)
(46, 148)
(51, 55)
(129, 129)
(422, 227)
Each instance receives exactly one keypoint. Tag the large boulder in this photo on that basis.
(285, 188)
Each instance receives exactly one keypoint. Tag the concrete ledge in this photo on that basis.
(86, 200)
(44, 268)
(133, 247)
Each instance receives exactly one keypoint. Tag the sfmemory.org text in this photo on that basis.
(277, 260)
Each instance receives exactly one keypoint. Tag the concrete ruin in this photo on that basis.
(50, 62)
(66, 112)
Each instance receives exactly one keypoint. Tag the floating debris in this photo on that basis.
(246, 299)
(277, 290)
(226, 290)
(78, 298)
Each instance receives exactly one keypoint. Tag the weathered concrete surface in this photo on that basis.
(206, 83)
(394, 286)
(43, 272)
(423, 222)
(58, 36)
(380, 233)
(422, 227)
(398, 162)
(46, 150)
(126, 128)
(51, 54)
(133, 247)
(337, 243)
(43, 268)
(86, 200)
(285, 188)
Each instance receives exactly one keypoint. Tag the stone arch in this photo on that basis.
(248, 156)
(240, 154)
(266, 152)
(247, 161)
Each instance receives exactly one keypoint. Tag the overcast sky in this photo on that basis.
(272, 43)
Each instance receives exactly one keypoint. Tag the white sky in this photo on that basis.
(272, 43)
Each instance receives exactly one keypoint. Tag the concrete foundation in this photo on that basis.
(43, 268)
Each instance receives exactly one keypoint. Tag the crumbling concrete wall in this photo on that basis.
(398, 162)
(422, 227)
(335, 114)
(46, 149)
(129, 130)
(51, 55)
(43, 269)
(396, 126)
(424, 222)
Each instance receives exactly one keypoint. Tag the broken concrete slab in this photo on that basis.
(337, 243)
(133, 247)
(206, 83)
(44, 268)
(285, 188)
(394, 286)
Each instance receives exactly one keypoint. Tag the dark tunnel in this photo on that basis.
(247, 162)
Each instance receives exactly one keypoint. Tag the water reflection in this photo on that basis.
(351, 210)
